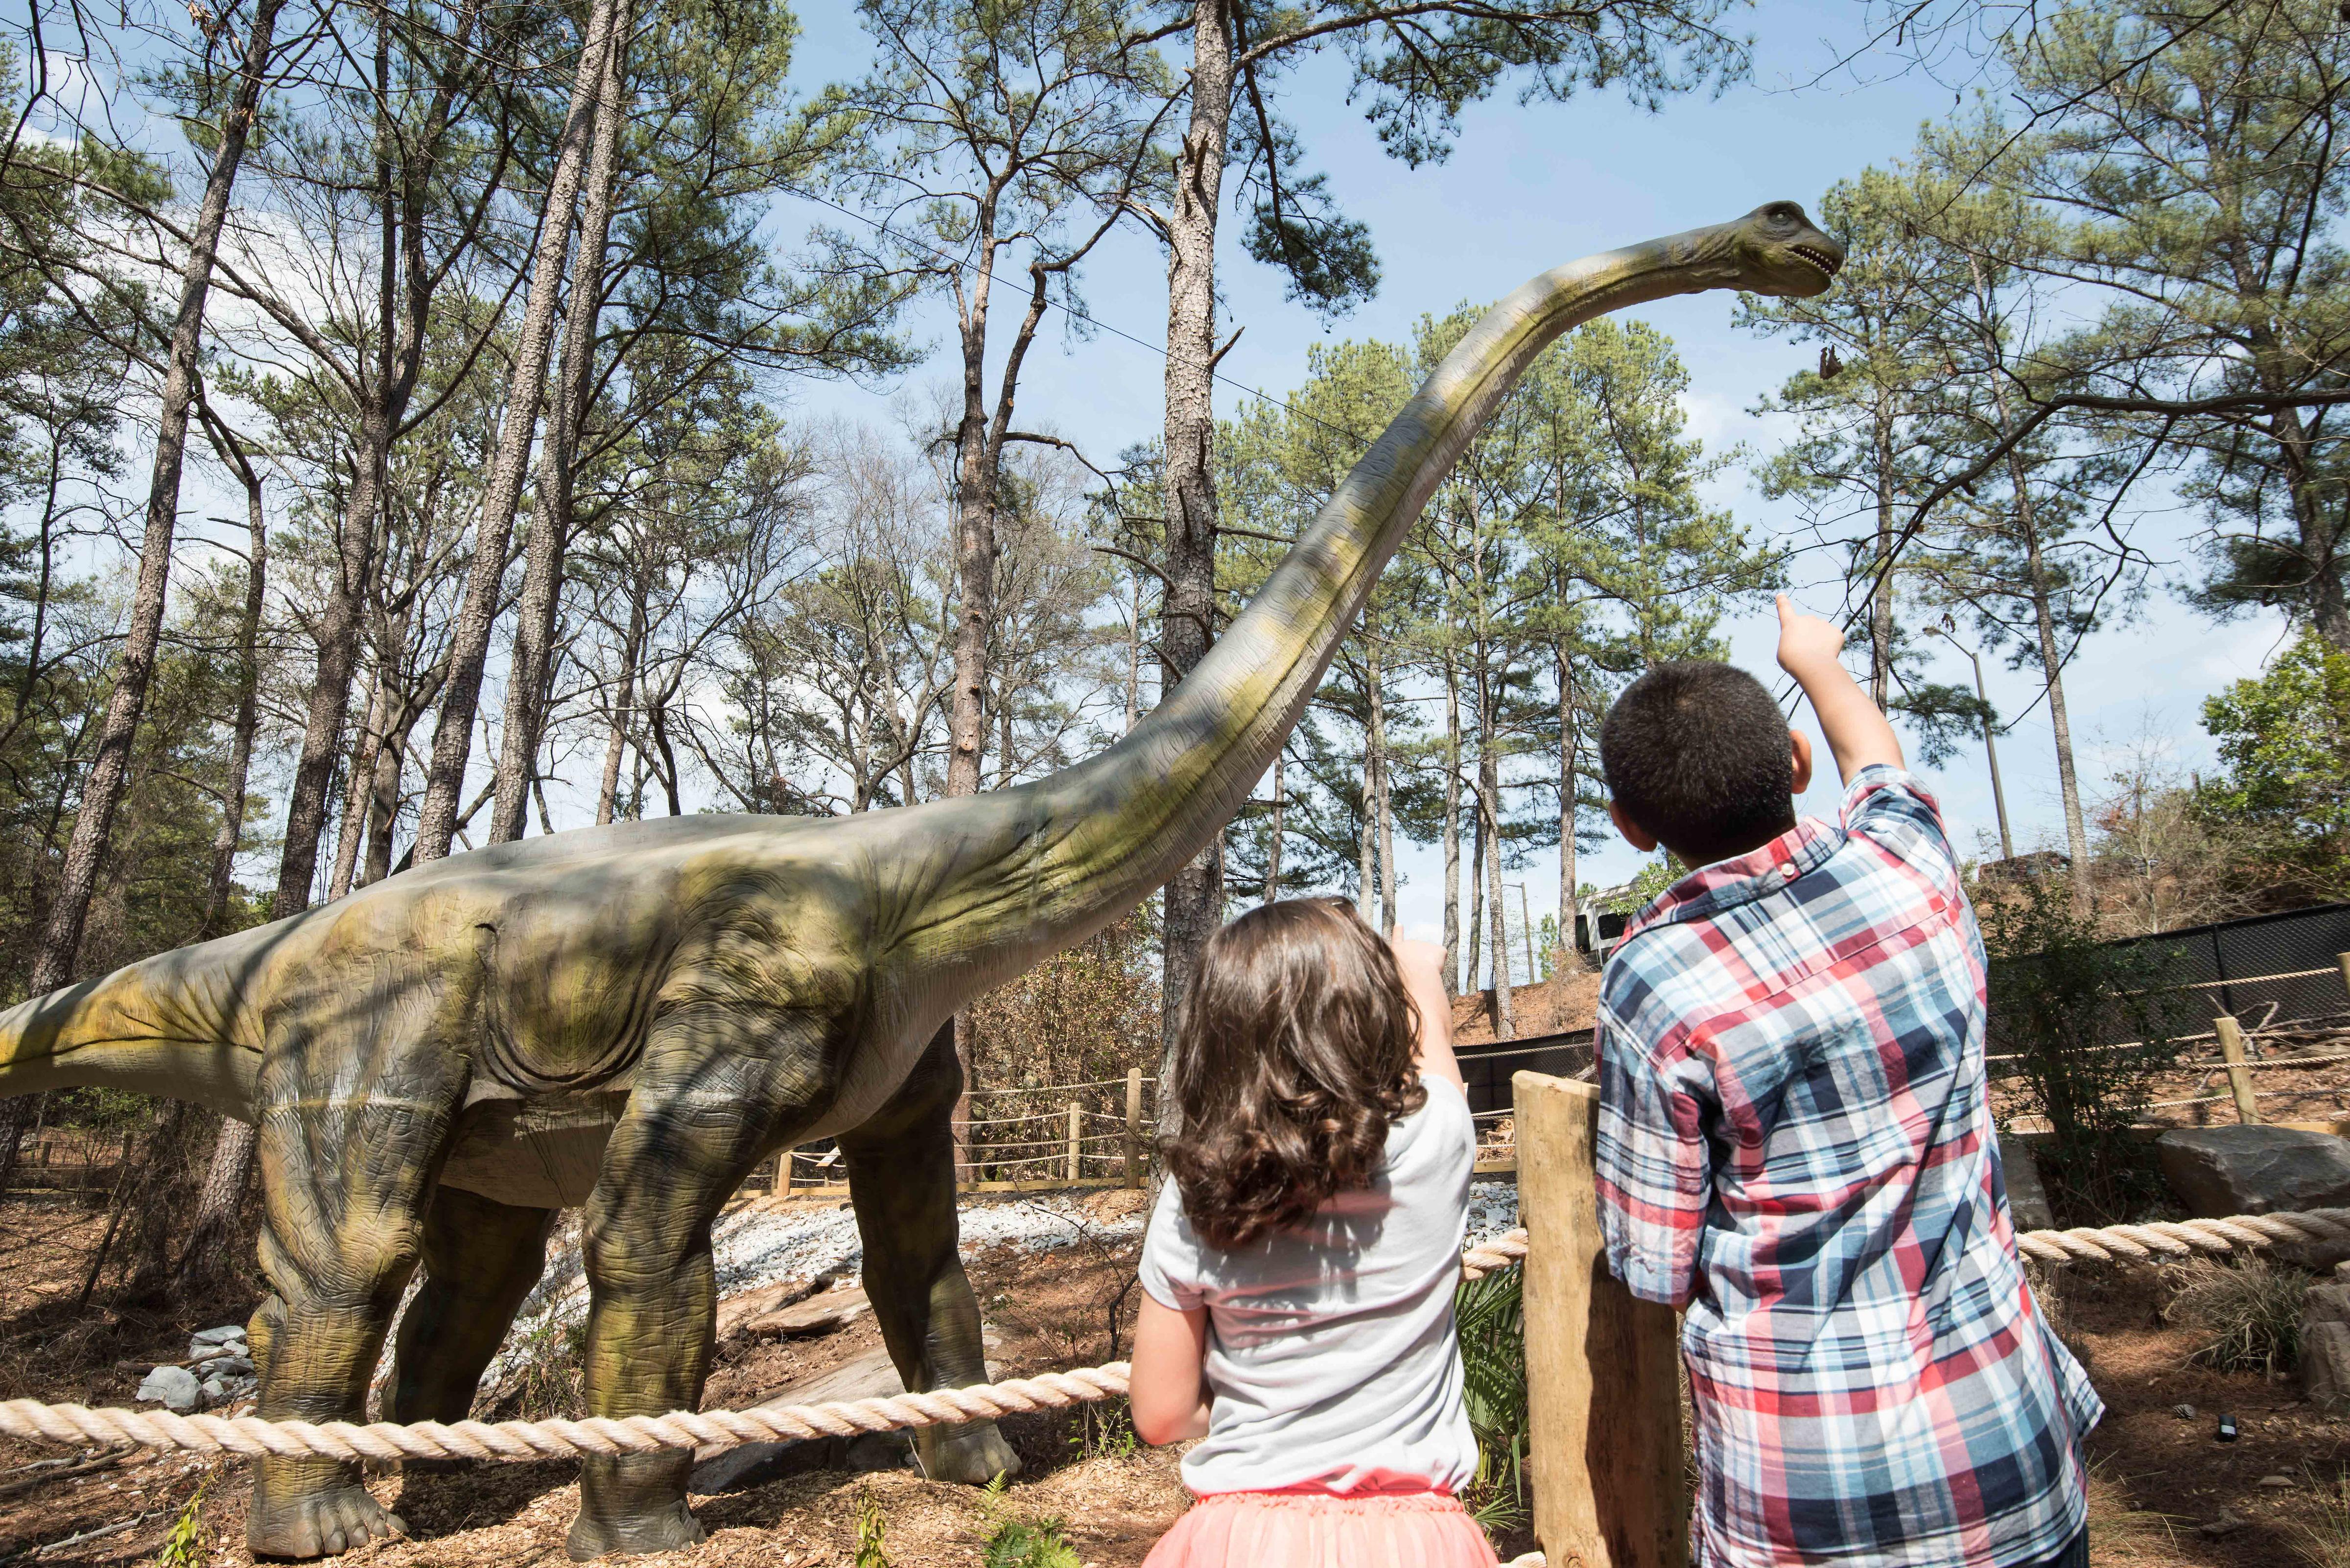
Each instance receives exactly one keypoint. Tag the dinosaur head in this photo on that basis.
(1775, 250)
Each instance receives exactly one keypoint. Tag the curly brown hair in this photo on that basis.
(1294, 1051)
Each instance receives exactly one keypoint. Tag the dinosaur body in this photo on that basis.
(628, 1019)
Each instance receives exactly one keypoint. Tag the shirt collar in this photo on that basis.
(1725, 884)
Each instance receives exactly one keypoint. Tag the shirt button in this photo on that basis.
(1787, 869)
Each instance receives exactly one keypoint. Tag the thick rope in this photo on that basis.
(78, 1424)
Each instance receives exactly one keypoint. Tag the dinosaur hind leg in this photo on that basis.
(901, 1180)
(357, 1099)
(481, 1259)
(719, 1088)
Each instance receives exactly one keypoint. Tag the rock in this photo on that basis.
(2226, 1524)
(738, 1309)
(228, 1366)
(2329, 1300)
(225, 1334)
(2027, 1199)
(816, 1315)
(872, 1375)
(2277, 1483)
(2184, 1412)
(173, 1387)
(2254, 1169)
(2326, 1365)
(879, 1451)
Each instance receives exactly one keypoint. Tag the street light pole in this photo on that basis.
(1991, 747)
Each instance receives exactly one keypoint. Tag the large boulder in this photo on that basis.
(2254, 1169)
(2027, 1197)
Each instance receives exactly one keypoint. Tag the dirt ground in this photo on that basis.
(1548, 1007)
(2159, 1478)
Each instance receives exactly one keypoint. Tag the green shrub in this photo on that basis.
(1491, 1316)
(870, 1528)
(2060, 997)
(1019, 1544)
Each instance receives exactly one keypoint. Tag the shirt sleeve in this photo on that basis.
(1170, 1269)
(1886, 805)
(1655, 1171)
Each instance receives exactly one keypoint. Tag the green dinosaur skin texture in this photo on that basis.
(630, 1018)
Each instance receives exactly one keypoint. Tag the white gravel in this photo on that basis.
(753, 1249)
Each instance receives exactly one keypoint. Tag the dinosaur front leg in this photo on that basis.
(719, 1089)
(901, 1180)
(350, 1141)
(481, 1259)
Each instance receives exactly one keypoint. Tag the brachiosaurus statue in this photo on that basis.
(632, 1017)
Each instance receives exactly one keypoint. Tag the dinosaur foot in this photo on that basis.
(316, 1521)
(975, 1454)
(663, 1529)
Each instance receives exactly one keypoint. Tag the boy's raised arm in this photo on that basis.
(1856, 732)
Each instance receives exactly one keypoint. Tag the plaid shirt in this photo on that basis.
(1795, 1147)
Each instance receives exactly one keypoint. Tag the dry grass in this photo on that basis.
(2249, 1310)
(2326, 1543)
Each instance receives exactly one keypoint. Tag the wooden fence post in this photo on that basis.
(1134, 1117)
(1077, 1131)
(2343, 959)
(2239, 1077)
(783, 1187)
(1603, 1437)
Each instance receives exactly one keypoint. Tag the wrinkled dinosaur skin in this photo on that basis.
(630, 1018)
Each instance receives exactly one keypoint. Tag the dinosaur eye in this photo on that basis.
(1785, 213)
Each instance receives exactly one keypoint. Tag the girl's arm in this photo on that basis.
(1422, 964)
(1167, 1387)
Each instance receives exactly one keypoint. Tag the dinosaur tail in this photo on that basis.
(169, 1025)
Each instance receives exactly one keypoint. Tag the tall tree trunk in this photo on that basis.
(1194, 896)
(1381, 823)
(1273, 840)
(402, 315)
(1490, 783)
(530, 675)
(1451, 826)
(1476, 892)
(1880, 597)
(247, 723)
(359, 789)
(1569, 773)
(632, 648)
(2052, 662)
(452, 736)
(383, 792)
(109, 769)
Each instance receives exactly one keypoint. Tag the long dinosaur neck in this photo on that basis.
(1093, 840)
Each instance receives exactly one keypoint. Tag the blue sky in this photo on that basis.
(1528, 187)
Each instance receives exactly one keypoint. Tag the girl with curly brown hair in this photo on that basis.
(1299, 1270)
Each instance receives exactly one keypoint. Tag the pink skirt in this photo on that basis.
(1308, 1528)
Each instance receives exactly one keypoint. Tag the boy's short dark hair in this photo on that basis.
(1697, 753)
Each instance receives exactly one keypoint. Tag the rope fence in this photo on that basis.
(31, 1420)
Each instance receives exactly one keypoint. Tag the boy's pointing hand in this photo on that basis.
(1805, 640)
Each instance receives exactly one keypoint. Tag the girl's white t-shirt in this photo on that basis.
(1331, 1353)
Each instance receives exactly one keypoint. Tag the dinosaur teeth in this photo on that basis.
(1819, 259)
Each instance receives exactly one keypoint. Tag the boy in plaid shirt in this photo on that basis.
(1795, 1147)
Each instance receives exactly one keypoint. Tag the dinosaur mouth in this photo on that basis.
(1825, 263)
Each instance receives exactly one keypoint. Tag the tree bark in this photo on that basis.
(359, 789)
(109, 769)
(205, 1253)
(1195, 895)
(1569, 773)
(1273, 840)
(1881, 597)
(1451, 826)
(631, 647)
(1476, 924)
(452, 736)
(1490, 783)
(403, 314)
(247, 723)
(530, 673)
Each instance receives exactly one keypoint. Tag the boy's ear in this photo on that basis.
(1803, 744)
(1639, 839)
